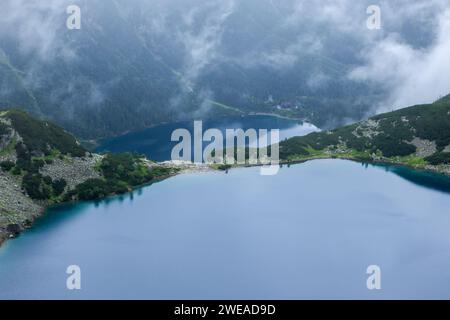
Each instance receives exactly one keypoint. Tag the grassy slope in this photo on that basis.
(386, 137)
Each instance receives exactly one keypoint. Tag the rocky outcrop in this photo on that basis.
(447, 148)
(182, 166)
(18, 211)
(16, 208)
(367, 129)
(7, 143)
(425, 148)
(73, 170)
(442, 169)
(36, 151)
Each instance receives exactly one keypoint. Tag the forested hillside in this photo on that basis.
(134, 64)
(418, 136)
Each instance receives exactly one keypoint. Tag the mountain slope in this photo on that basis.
(41, 164)
(135, 64)
(418, 136)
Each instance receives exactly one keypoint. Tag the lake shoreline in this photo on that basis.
(184, 168)
(365, 212)
(189, 168)
(429, 168)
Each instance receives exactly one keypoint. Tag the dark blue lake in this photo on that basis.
(156, 142)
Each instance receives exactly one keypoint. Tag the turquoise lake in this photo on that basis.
(309, 232)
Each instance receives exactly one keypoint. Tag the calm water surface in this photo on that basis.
(308, 232)
(156, 142)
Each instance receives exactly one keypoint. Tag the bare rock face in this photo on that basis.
(367, 129)
(16, 209)
(73, 170)
(425, 148)
(7, 142)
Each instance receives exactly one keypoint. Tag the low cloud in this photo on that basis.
(283, 58)
(201, 35)
(407, 59)
(410, 75)
(37, 27)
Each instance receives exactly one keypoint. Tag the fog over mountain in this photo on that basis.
(136, 63)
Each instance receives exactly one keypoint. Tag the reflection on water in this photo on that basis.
(427, 179)
(309, 232)
(155, 142)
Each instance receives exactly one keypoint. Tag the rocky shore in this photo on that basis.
(18, 211)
